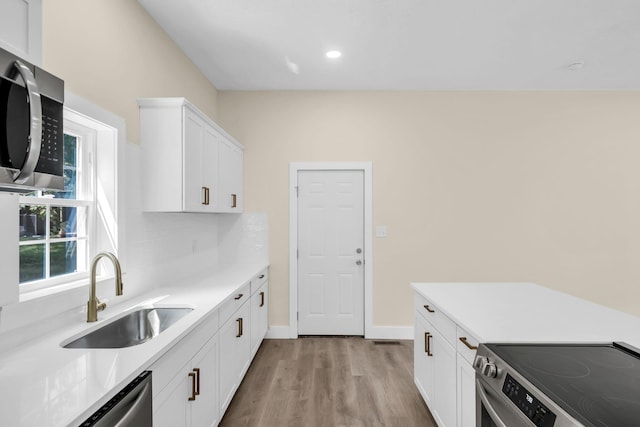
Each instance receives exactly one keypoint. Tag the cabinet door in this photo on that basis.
(444, 381)
(235, 354)
(466, 391)
(204, 409)
(230, 193)
(259, 316)
(21, 29)
(209, 167)
(423, 362)
(171, 405)
(193, 187)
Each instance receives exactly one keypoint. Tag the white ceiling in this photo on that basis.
(408, 44)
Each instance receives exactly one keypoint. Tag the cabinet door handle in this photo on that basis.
(239, 320)
(429, 309)
(464, 341)
(261, 299)
(238, 296)
(197, 371)
(427, 343)
(234, 201)
(192, 375)
(204, 195)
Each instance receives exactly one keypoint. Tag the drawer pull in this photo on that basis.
(261, 276)
(238, 296)
(205, 195)
(464, 341)
(197, 371)
(234, 201)
(429, 309)
(261, 299)
(427, 343)
(239, 320)
(192, 375)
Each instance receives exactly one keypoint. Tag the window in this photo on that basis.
(58, 228)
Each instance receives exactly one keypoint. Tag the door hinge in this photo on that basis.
(297, 253)
(297, 191)
(297, 315)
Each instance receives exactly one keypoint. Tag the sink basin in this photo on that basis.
(135, 328)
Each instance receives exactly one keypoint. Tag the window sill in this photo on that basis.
(53, 290)
(59, 289)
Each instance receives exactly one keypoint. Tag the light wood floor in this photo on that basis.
(329, 381)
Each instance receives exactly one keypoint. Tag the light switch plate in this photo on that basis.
(381, 231)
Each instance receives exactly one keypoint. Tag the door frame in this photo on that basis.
(366, 168)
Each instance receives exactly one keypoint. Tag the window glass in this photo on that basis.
(54, 225)
(32, 263)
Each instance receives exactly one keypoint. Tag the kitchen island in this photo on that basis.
(451, 319)
(44, 384)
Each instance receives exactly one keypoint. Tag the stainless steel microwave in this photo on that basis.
(31, 136)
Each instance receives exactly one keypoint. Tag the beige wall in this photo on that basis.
(111, 52)
(473, 186)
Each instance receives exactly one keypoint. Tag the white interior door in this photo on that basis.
(331, 252)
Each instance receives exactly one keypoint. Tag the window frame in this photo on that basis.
(75, 125)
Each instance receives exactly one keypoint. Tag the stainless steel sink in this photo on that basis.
(135, 328)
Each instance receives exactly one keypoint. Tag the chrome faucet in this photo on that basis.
(94, 305)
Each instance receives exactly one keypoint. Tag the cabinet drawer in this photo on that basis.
(239, 297)
(466, 344)
(165, 368)
(259, 280)
(439, 320)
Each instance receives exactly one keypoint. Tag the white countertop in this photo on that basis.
(43, 384)
(526, 312)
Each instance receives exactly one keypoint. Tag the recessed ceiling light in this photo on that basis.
(333, 54)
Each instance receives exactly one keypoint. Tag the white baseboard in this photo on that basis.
(390, 333)
(375, 333)
(278, 333)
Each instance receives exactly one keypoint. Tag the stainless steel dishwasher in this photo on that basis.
(131, 407)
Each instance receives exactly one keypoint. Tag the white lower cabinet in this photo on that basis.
(259, 316)
(466, 393)
(436, 361)
(423, 365)
(194, 383)
(188, 398)
(235, 353)
(443, 369)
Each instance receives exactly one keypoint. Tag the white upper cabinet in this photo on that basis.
(21, 28)
(190, 164)
(231, 167)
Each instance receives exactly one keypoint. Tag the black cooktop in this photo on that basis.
(597, 384)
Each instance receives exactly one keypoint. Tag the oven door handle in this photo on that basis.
(35, 124)
(485, 402)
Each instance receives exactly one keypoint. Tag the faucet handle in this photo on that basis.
(100, 305)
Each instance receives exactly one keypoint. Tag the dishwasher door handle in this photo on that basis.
(131, 415)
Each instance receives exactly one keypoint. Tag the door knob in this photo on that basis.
(359, 262)
(358, 251)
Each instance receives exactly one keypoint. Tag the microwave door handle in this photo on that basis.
(485, 402)
(35, 126)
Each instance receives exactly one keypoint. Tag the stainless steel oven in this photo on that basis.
(557, 385)
(31, 136)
